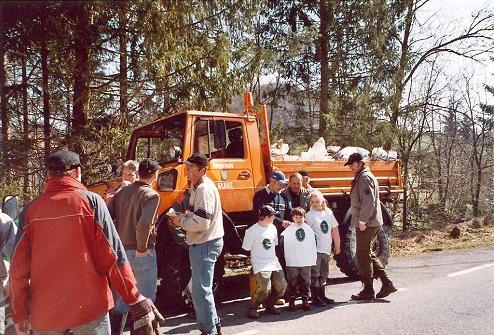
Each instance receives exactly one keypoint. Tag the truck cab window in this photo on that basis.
(219, 138)
(156, 140)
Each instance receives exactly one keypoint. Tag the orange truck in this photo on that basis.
(238, 174)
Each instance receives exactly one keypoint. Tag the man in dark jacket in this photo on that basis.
(272, 195)
(367, 220)
(67, 252)
(296, 193)
(133, 210)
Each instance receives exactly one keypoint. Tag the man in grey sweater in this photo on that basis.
(367, 220)
(133, 210)
(203, 223)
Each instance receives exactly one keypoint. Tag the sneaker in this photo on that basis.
(280, 302)
(291, 306)
(272, 310)
(253, 313)
(386, 290)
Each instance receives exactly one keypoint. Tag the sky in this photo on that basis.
(450, 17)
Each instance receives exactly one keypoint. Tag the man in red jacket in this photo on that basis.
(67, 252)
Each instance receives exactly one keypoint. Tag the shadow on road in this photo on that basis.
(233, 295)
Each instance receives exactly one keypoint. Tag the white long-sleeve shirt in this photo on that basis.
(204, 221)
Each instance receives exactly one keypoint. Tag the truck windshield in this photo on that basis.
(155, 140)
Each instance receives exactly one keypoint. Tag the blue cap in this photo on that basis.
(279, 177)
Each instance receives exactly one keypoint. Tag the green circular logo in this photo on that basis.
(300, 234)
(324, 227)
(266, 243)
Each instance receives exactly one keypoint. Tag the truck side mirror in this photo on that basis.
(11, 206)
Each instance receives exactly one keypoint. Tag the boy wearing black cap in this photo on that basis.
(261, 239)
(133, 209)
(367, 220)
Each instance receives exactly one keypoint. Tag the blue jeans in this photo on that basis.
(202, 259)
(146, 274)
(101, 326)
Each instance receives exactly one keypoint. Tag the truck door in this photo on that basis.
(224, 141)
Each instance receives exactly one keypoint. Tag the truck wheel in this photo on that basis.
(347, 260)
(174, 265)
(173, 268)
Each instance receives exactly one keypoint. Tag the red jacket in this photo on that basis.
(67, 252)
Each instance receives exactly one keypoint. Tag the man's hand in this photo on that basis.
(145, 317)
(362, 226)
(143, 254)
(23, 327)
(174, 220)
(285, 223)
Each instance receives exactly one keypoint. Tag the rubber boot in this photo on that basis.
(117, 323)
(305, 304)
(322, 296)
(316, 300)
(291, 305)
(387, 286)
(367, 293)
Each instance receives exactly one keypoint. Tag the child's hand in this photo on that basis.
(285, 223)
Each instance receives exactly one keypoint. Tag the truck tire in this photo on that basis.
(173, 268)
(174, 265)
(347, 260)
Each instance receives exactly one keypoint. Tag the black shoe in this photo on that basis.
(322, 296)
(318, 302)
(253, 313)
(305, 305)
(386, 290)
(270, 309)
(363, 296)
(367, 293)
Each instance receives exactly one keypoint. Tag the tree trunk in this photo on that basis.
(324, 61)
(25, 127)
(122, 39)
(46, 99)
(3, 93)
(405, 196)
(82, 49)
(400, 73)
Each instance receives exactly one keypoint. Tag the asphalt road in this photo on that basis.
(442, 293)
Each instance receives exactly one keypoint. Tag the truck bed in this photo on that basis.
(332, 178)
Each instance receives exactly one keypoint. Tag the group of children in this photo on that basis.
(307, 243)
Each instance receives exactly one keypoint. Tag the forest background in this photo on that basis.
(391, 73)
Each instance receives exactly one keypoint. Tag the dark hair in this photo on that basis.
(298, 211)
(59, 173)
